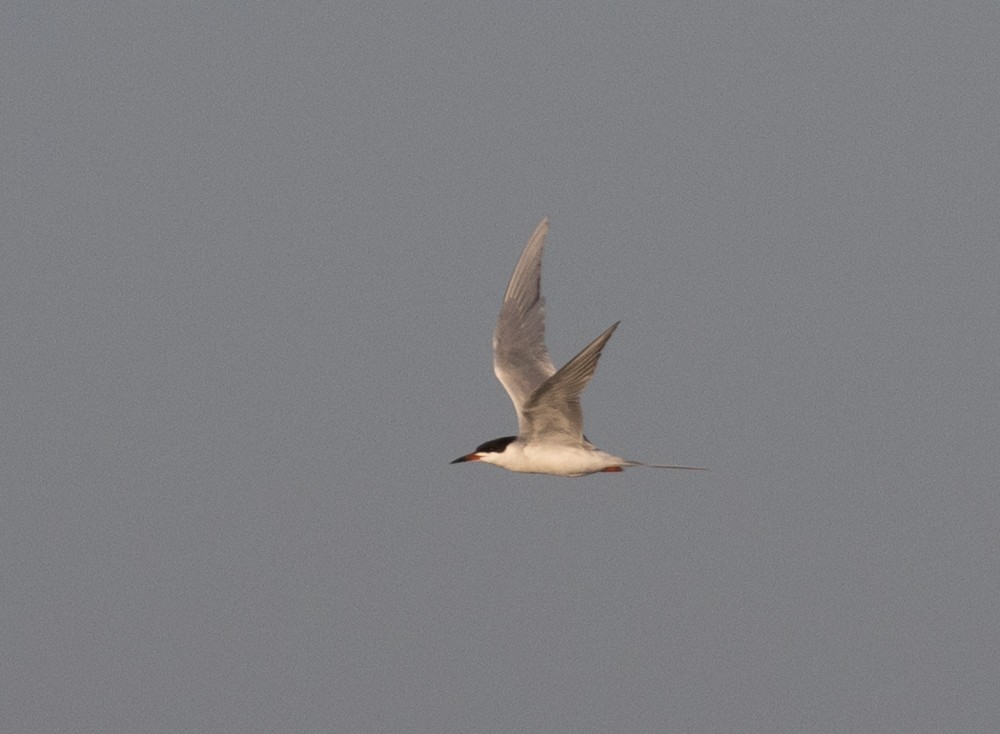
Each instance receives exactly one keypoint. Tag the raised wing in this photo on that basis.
(553, 413)
(520, 360)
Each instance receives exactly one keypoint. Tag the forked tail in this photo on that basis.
(667, 466)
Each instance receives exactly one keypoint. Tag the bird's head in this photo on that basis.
(487, 451)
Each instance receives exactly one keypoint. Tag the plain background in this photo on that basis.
(252, 254)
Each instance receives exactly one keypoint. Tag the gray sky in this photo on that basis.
(252, 257)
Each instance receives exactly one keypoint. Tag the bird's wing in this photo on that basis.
(520, 359)
(553, 413)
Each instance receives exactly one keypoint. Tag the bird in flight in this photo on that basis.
(549, 436)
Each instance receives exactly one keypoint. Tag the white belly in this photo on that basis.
(564, 461)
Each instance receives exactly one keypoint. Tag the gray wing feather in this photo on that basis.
(553, 410)
(520, 360)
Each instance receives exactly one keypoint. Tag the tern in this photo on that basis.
(549, 436)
